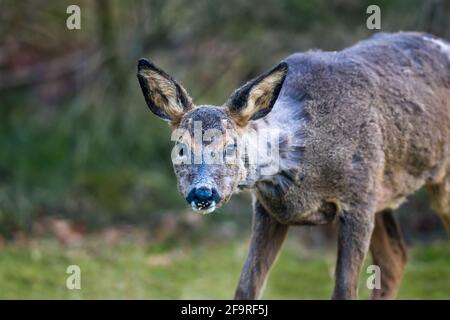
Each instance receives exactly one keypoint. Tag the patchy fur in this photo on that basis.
(360, 130)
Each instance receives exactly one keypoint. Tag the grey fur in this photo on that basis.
(361, 129)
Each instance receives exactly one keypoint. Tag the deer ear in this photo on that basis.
(164, 96)
(256, 98)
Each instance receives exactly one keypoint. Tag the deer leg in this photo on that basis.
(440, 201)
(389, 253)
(355, 231)
(267, 237)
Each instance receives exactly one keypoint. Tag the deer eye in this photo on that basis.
(182, 149)
(230, 149)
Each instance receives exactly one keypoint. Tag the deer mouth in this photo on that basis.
(203, 207)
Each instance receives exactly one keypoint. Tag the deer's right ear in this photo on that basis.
(164, 96)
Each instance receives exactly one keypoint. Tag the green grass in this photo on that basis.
(207, 271)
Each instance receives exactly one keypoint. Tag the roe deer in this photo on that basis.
(358, 131)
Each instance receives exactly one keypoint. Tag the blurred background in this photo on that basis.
(85, 170)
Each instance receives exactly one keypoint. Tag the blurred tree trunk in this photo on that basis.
(107, 33)
(155, 26)
(434, 18)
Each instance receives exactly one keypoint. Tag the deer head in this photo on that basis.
(209, 157)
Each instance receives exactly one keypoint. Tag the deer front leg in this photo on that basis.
(355, 230)
(267, 237)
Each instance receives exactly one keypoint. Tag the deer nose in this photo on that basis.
(203, 197)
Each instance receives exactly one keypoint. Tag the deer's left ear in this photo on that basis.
(256, 98)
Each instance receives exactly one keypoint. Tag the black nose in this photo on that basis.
(203, 197)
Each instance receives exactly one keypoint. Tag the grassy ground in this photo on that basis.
(208, 271)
